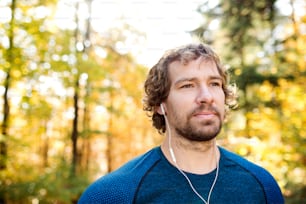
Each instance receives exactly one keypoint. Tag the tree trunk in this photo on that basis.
(74, 134)
(110, 136)
(45, 146)
(4, 126)
(7, 82)
(86, 146)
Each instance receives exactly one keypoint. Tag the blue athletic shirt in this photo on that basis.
(150, 178)
(163, 183)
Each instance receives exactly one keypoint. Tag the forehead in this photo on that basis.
(195, 68)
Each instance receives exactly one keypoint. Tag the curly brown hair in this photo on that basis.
(157, 84)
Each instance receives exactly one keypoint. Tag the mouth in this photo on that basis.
(205, 114)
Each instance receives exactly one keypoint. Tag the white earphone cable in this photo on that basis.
(182, 172)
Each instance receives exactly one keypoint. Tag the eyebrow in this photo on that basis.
(186, 79)
(215, 77)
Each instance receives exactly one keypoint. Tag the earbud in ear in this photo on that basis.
(162, 109)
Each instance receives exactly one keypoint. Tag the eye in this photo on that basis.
(184, 86)
(216, 83)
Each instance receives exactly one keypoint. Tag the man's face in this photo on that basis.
(196, 102)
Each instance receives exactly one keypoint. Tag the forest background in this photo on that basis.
(71, 97)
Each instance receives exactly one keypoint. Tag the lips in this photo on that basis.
(205, 114)
(205, 111)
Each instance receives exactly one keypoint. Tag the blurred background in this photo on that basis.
(71, 87)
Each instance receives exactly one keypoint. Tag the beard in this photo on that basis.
(204, 131)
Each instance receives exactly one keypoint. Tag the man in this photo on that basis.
(187, 94)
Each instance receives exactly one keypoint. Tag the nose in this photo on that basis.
(204, 96)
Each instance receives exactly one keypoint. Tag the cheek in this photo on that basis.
(220, 100)
(219, 97)
(177, 108)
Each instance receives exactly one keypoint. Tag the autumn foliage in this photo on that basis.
(71, 101)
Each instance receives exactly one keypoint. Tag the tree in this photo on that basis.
(75, 104)
(7, 83)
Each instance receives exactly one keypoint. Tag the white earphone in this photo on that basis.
(177, 166)
(162, 109)
(167, 126)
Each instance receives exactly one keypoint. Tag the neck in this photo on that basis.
(192, 156)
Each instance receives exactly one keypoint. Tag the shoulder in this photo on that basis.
(242, 162)
(272, 191)
(120, 185)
